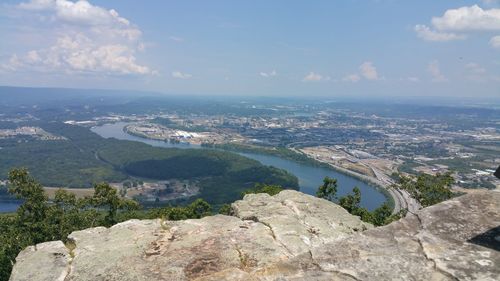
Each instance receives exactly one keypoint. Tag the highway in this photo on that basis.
(402, 199)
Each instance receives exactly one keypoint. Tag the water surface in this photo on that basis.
(7, 207)
(310, 177)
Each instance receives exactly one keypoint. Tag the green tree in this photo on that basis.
(270, 189)
(351, 202)
(225, 209)
(428, 189)
(39, 220)
(364, 215)
(380, 216)
(106, 197)
(425, 188)
(12, 240)
(23, 186)
(200, 208)
(328, 190)
(70, 213)
(29, 225)
(197, 209)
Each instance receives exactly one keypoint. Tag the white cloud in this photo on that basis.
(478, 73)
(33, 57)
(80, 54)
(475, 68)
(369, 71)
(79, 12)
(495, 42)
(181, 75)
(13, 64)
(463, 19)
(424, 32)
(413, 79)
(268, 74)
(351, 78)
(87, 39)
(312, 77)
(468, 18)
(435, 70)
(366, 70)
(176, 39)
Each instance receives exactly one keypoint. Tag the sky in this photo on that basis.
(282, 48)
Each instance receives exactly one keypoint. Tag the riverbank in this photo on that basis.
(289, 154)
(282, 152)
(310, 173)
(399, 199)
(396, 201)
(394, 197)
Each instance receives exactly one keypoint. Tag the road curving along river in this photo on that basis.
(309, 177)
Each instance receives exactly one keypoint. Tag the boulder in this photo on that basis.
(289, 236)
(298, 221)
(455, 240)
(45, 261)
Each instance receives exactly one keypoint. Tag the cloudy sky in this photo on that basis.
(265, 48)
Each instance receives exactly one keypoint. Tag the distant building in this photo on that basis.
(361, 154)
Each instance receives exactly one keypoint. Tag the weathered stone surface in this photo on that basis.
(298, 221)
(283, 227)
(45, 261)
(455, 240)
(290, 236)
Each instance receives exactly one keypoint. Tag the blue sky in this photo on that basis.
(268, 48)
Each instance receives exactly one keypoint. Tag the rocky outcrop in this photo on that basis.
(454, 240)
(290, 236)
(297, 221)
(46, 261)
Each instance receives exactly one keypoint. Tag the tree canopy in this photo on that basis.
(428, 189)
(328, 190)
(380, 216)
(271, 189)
(38, 219)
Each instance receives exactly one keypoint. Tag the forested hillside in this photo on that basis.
(84, 158)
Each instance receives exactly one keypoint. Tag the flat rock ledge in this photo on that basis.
(289, 236)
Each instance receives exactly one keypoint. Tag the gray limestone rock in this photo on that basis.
(289, 236)
(298, 221)
(454, 240)
(45, 261)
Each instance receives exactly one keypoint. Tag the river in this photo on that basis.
(309, 177)
(7, 207)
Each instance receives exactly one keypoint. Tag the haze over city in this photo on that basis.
(263, 48)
